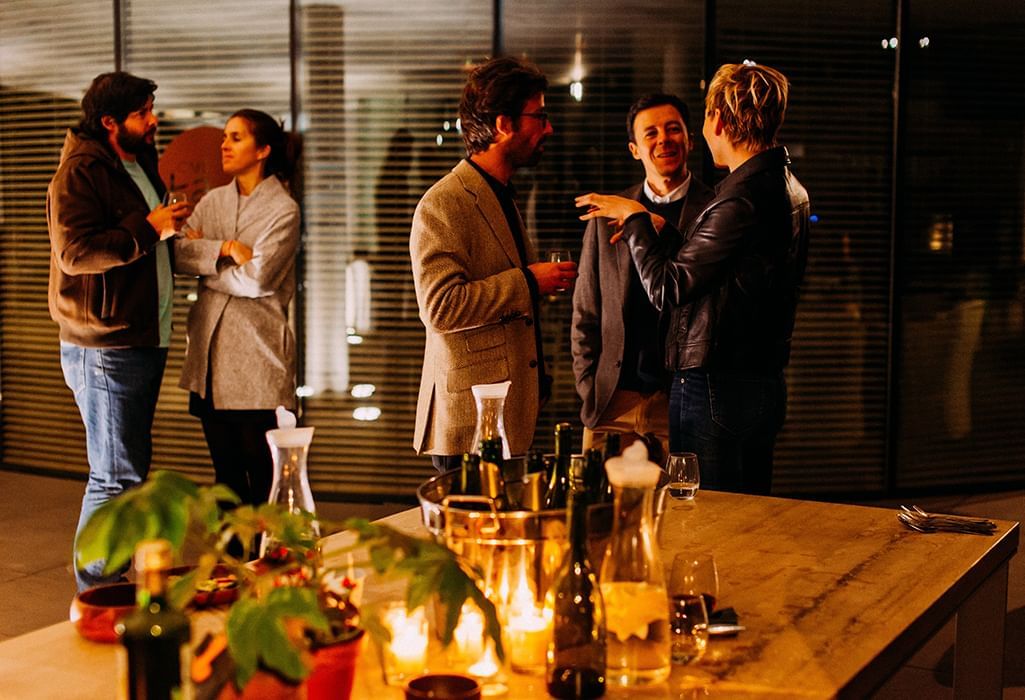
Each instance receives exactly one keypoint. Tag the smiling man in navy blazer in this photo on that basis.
(477, 283)
(616, 338)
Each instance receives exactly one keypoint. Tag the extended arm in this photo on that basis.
(698, 263)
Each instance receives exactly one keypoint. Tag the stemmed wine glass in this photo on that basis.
(684, 475)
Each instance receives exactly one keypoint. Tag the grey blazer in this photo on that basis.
(599, 302)
(238, 330)
(477, 308)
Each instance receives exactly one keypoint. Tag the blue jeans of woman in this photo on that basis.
(730, 420)
(116, 390)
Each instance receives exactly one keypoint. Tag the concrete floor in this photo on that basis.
(38, 516)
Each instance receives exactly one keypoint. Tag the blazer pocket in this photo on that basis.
(484, 338)
(488, 368)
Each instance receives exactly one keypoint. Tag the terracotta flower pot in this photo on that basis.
(334, 669)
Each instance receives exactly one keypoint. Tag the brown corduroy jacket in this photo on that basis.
(103, 273)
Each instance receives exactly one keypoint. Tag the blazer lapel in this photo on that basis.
(623, 250)
(490, 209)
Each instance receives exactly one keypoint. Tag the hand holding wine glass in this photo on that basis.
(178, 202)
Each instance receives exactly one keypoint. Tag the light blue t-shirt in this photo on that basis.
(165, 283)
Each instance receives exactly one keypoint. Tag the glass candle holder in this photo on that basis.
(468, 638)
(528, 629)
(405, 655)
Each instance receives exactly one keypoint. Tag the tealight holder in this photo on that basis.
(404, 656)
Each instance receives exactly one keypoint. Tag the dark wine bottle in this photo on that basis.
(156, 636)
(612, 445)
(492, 463)
(469, 476)
(594, 475)
(576, 652)
(559, 484)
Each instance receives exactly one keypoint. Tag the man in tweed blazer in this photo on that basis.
(477, 283)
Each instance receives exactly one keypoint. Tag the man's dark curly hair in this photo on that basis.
(500, 86)
(116, 94)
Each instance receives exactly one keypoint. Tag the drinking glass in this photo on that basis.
(693, 588)
(174, 197)
(558, 255)
(695, 574)
(684, 475)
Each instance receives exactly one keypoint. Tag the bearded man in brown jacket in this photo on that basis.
(110, 283)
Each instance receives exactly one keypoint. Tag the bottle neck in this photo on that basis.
(152, 588)
(578, 526)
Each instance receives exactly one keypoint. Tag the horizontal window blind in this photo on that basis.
(960, 236)
(40, 89)
(838, 129)
(380, 86)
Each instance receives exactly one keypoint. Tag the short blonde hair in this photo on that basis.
(752, 101)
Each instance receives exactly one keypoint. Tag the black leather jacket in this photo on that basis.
(730, 286)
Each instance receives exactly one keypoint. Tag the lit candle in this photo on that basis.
(528, 632)
(405, 655)
(469, 635)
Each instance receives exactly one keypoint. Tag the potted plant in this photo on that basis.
(291, 610)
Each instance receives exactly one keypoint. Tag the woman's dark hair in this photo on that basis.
(115, 94)
(284, 146)
(500, 86)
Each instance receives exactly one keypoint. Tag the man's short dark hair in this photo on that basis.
(500, 86)
(116, 94)
(655, 99)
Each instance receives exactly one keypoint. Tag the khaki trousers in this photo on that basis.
(632, 414)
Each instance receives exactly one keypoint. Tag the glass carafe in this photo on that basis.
(490, 400)
(632, 577)
(291, 488)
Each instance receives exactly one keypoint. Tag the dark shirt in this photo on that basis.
(506, 195)
(644, 337)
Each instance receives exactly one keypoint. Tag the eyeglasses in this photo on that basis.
(543, 116)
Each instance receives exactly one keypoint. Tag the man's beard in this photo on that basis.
(130, 143)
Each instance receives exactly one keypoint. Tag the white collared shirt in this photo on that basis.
(674, 196)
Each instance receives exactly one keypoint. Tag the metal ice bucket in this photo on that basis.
(508, 546)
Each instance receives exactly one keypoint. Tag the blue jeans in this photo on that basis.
(116, 390)
(730, 420)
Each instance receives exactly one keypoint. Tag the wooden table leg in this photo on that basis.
(979, 648)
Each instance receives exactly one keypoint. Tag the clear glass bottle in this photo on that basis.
(291, 488)
(632, 577)
(490, 400)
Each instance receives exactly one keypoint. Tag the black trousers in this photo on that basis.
(238, 448)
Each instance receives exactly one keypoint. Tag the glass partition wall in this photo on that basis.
(905, 370)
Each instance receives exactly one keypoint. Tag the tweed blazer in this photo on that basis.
(600, 304)
(476, 305)
(238, 330)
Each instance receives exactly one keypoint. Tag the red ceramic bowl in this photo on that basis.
(96, 611)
